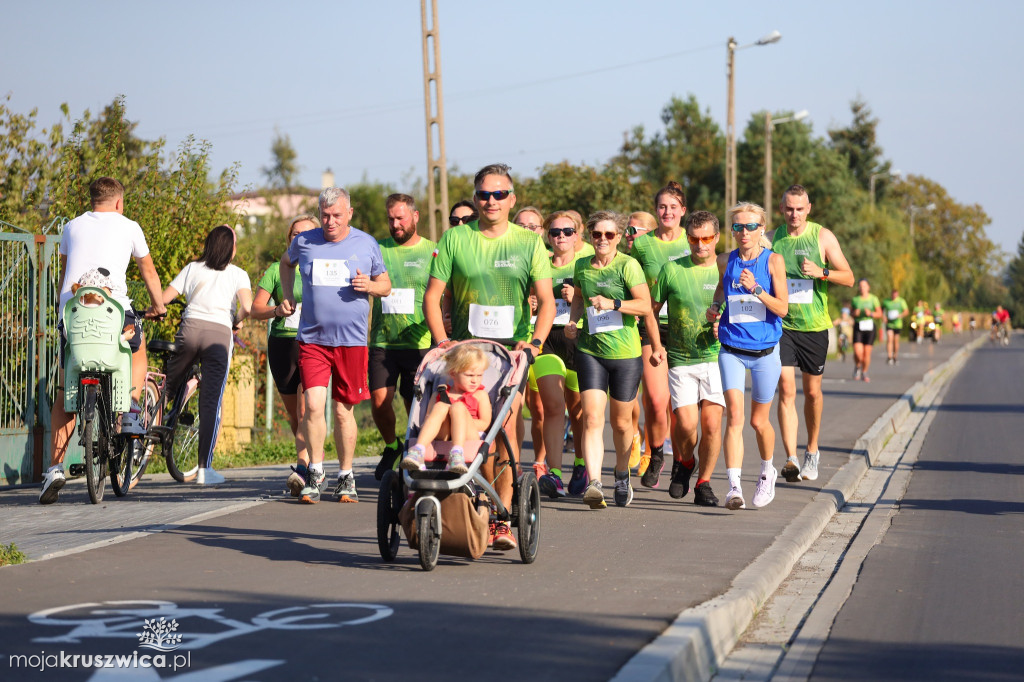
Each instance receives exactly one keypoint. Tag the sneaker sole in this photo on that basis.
(549, 489)
(791, 472)
(735, 503)
(595, 502)
(810, 477)
(295, 485)
(504, 544)
(628, 499)
(346, 499)
(701, 502)
(309, 499)
(49, 496)
(459, 470)
(677, 493)
(657, 481)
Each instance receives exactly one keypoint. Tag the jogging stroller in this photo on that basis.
(415, 500)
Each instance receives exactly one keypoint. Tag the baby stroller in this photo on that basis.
(415, 500)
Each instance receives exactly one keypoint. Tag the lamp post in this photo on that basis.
(769, 126)
(730, 124)
(871, 183)
(915, 210)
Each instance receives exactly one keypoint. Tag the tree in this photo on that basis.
(583, 188)
(1015, 285)
(283, 171)
(26, 166)
(859, 143)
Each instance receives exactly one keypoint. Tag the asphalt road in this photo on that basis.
(276, 588)
(940, 598)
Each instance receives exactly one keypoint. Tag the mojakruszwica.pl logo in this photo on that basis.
(158, 635)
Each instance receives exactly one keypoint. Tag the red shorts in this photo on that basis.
(346, 365)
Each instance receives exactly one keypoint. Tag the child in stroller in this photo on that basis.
(461, 412)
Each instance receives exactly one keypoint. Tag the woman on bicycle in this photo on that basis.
(212, 288)
(283, 349)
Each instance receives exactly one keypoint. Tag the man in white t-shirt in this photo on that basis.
(101, 238)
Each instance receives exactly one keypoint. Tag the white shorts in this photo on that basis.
(690, 384)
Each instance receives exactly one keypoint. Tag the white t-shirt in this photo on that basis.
(210, 293)
(104, 239)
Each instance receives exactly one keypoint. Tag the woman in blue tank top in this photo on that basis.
(750, 302)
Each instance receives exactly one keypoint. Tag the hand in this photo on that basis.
(533, 303)
(445, 343)
(808, 268)
(361, 282)
(568, 291)
(570, 330)
(601, 303)
(287, 306)
(657, 356)
(747, 280)
(526, 345)
(714, 328)
(713, 313)
(155, 312)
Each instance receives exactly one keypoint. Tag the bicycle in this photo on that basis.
(178, 435)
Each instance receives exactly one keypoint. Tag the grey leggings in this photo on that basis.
(208, 343)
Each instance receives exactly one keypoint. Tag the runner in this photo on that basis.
(652, 251)
(814, 260)
(939, 314)
(399, 337)
(687, 287)
(462, 212)
(341, 268)
(532, 219)
(752, 287)
(895, 309)
(490, 265)
(640, 223)
(283, 351)
(919, 312)
(866, 309)
(844, 325)
(611, 289)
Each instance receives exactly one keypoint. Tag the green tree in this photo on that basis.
(1015, 285)
(859, 143)
(583, 188)
(283, 170)
(26, 166)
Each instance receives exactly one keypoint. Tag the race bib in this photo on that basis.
(561, 311)
(330, 273)
(292, 321)
(746, 309)
(865, 325)
(492, 321)
(599, 321)
(893, 314)
(399, 302)
(801, 291)
(663, 313)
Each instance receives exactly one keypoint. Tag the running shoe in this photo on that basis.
(387, 458)
(539, 469)
(457, 461)
(681, 474)
(53, 481)
(415, 459)
(314, 484)
(490, 533)
(131, 421)
(623, 490)
(764, 493)
(503, 538)
(865, 378)
(810, 470)
(734, 499)
(791, 470)
(551, 486)
(297, 479)
(594, 496)
(345, 491)
(207, 476)
(856, 373)
(635, 452)
(703, 496)
(652, 476)
(579, 481)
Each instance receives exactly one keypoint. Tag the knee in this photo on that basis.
(760, 422)
(592, 420)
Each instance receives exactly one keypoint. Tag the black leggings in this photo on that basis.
(621, 378)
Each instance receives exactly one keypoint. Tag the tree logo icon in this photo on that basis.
(160, 635)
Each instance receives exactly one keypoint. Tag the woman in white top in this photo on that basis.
(213, 288)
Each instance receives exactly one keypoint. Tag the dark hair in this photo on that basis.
(699, 219)
(673, 188)
(219, 248)
(400, 199)
(499, 169)
(463, 204)
(105, 189)
(797, 191)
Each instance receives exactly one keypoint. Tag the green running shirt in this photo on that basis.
(808, 298)
(398, 320)
(892, 309)
(490, 280)
(608, 334)
(560, 276)
(283, 327)
(863, 306)
(688, 290)
(653, 253)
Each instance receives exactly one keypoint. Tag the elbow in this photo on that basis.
(783, 309)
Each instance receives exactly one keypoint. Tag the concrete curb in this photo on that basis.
(700, 638)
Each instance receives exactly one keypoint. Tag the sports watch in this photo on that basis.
(758, 290)
(824, 273)
(617, 303)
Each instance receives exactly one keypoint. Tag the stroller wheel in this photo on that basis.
(389, 502)
(528, 517)
(428, 531)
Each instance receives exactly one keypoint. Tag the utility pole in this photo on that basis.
(730, 137)
(437, 164)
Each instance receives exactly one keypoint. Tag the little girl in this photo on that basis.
(461, 410)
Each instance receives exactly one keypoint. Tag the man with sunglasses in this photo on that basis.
(687, 286)
(814, 259)
(490, 265)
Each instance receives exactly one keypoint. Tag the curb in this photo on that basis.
(701, 637)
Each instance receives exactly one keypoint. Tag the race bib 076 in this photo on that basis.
(492, 321)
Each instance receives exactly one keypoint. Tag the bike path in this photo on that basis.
(604, 585)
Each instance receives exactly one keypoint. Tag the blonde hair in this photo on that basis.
(762, 218)
(465, 357)
(304, 218)
(645, 219)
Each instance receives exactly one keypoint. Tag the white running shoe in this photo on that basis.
(734, 499)
(53, 481)
(667, 447)
(207, 476)
(810, 468)
(764, 493)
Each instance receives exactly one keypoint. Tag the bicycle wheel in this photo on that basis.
(94, 440)
(121, 465)
(142, 448)
(183, 454)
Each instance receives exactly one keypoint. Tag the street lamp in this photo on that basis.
(871, 183)
(915, 210)
(730, 124)
(769, 126)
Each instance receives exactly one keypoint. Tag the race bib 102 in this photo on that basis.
(746, 309)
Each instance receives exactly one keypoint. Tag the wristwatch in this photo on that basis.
(617, 304)
(537, 343)
(824, 273)
(758, 290)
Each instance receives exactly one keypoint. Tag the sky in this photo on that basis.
(530, 82)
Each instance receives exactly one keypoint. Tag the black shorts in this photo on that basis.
(806, 350)
(386, 365)
(564, 348)
(866, 337)
(283, 355)
(662, 332)
(130, 318)
(621, 378)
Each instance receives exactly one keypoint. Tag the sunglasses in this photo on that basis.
(702, 240)
(749, 227)
(632, 230)
(532, 227)
(561, 232)
(603, 235)
(455, 221)
(499, 195)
